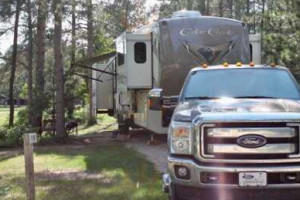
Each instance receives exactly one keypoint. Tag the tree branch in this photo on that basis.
(9, 59)
(3, 31)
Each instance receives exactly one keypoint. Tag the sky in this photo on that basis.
(7, 40)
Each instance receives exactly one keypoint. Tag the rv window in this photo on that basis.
(140, 54)
(120, 59)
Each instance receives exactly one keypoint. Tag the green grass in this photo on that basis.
(104, 123)
(126, 175)
(4, 114)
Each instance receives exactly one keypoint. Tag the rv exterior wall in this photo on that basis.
(190, 42)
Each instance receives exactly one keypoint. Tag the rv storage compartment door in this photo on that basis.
(139, 61)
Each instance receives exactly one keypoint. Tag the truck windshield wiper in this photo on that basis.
(254, 97)
(202, 97)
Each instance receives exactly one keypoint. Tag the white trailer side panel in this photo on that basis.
(104, 89)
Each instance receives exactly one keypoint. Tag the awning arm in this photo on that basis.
(98, 70)
(85, 76)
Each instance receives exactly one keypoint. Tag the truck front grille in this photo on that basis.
(244, 141)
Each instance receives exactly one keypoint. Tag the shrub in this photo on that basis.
(22, 117)
(80, 114)
(11, 137)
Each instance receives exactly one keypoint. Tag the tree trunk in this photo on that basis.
(14, 65)
(40, 64)
(221, 8)
(262, 23)
(238, 10)
(201, 7)
(231, 8)
(190, 4)
(73, 32)
(59, 109)
(207, 7)
(248, 7)
(71, 104)
(29, 60)
(90, 36)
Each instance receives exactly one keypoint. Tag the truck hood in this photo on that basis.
(188, 110)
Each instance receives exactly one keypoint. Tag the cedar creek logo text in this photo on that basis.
(212, 32)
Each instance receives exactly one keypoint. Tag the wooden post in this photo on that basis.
(29, 167)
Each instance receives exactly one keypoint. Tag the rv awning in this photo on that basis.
(87, 63)
(95, 59)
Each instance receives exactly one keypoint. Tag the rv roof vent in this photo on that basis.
(186, 13)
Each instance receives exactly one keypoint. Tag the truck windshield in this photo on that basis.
(241, 83)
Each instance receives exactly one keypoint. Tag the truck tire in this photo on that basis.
(173, 193)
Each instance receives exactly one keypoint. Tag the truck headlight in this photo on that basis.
(180, 138)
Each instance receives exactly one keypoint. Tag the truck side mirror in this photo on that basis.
(155, 99)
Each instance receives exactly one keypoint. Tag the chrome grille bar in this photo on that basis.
(219, 142)
(268, 132)
(236, 149)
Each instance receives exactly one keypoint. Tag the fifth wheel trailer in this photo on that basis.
(153, 61)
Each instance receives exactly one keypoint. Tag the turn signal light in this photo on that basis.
(239, 64)
(180, 132)
(251, 64)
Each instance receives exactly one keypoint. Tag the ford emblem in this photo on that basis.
(251, 141)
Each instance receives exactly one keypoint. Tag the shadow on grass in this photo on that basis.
(10, 154)
(128, 176)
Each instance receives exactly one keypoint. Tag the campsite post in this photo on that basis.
(29, 139)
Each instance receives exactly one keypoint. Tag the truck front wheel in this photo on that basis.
(173, 193)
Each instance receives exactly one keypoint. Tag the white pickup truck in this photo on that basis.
(235, 135)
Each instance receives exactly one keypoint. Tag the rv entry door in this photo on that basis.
(139, 61)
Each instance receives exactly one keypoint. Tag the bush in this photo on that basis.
(11, 137)
(22, 117)
(80, 114)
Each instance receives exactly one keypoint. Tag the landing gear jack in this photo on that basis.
(152, 140)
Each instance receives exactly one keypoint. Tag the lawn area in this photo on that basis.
(104, 123)
(112, 172)
(4, 114)
(75, 172)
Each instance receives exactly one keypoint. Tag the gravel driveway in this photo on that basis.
(156, 153)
